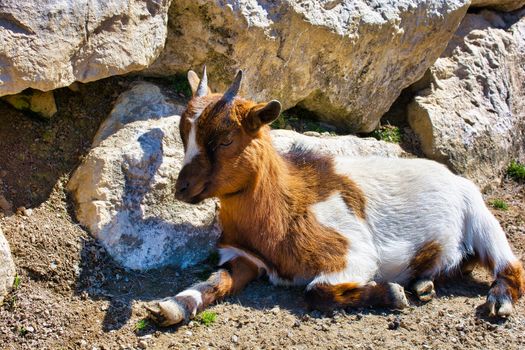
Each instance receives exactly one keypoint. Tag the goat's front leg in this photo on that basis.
(185, 305)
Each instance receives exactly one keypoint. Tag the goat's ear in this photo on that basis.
(195, 83)
(262, 114)
(194, 80)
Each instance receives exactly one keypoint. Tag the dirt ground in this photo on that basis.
(73, 296)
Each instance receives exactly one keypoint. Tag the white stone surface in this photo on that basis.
(7, 267)
(124, 190)
(472, 117)
(48, 44)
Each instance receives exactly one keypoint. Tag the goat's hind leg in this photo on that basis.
(506, 289)
(495, 253)
(424, 289)
(327, 297)
(186, 304)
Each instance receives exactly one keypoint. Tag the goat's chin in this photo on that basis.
(196, 200)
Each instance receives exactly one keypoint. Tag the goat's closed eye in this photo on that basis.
(226, 143)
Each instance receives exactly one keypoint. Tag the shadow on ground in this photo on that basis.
(102, 279)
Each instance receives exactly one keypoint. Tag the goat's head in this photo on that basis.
(221, 136)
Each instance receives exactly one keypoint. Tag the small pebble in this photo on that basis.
(235, 339)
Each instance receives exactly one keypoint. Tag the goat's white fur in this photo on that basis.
(410, 202)
(195, 295)
(192, 148)
(362, 258)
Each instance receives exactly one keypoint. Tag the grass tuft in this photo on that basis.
(207, 317)
(141, 325)
(516, 171)
(22, 331)
(499, 204)
(388, 133)
(16, 282)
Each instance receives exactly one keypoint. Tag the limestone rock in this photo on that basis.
(41, 103)
(345, 60)
(473, 115)
(52, 43)
(7, 267)
(502, 5)
(124, 190)
(350, 146)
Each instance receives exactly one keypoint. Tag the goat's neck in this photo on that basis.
(265, 208)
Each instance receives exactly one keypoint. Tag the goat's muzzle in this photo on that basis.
(190, 189)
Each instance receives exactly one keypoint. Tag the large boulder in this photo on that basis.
(472, 117)
(52, 43)
(7, 267)
(124, 189)
(345, 60)
(349, 145)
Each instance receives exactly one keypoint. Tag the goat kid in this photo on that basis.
(352, 230)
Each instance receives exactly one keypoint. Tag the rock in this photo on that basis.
(124, 190)
(352, 146)
(502, 5)
(472, 117)
(347, 61)
(52, 43)
(41, 103)
(7, 268)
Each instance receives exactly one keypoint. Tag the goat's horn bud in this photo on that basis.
(202, 89)
(234, 88)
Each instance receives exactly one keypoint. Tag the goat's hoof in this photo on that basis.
(499, 307)
(499, 300)
(166, 312)
(424, 290)
(399, 298)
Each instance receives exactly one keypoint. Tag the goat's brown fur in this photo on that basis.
(426, 259)
(276, 191)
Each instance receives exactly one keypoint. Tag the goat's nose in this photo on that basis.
(183, 186)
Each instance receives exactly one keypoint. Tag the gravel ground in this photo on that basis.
(73, 296)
